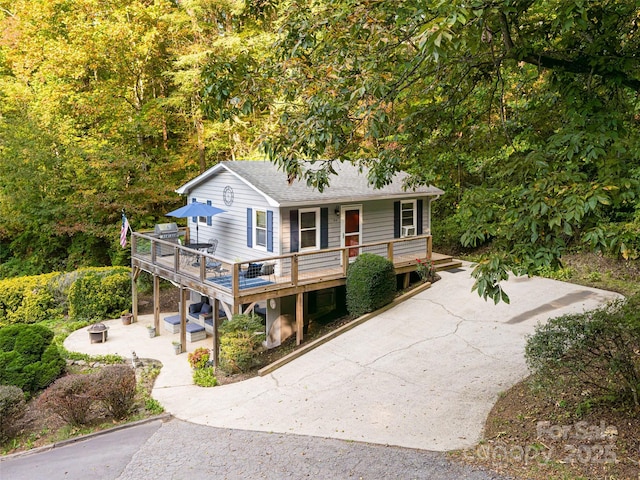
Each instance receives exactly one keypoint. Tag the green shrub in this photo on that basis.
(28, 299)
(28, 358)
(594, 352)
(371, 284)
(12, 409)
(240, 342)
(205, 377)
(115, 388)
(70, 397)
(100, 293)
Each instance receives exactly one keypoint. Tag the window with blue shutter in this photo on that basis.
(269, 231)
(294, 234)
(396, 219)
(324, 228)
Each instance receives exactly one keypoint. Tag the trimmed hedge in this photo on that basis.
(87, 294)
(100, 293)
(27, 299)
(371, 284)
(28, 359)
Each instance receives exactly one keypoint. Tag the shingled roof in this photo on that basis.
(349, 185)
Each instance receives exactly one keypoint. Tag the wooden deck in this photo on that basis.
(292, 273)
(231, 288)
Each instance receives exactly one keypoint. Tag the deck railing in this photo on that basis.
(289, 270)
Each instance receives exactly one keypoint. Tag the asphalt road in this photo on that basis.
(180, 450)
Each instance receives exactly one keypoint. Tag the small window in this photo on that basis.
(309, 229)
(261, 228)
(408, 218)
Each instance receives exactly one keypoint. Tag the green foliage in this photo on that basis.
(115, 388)
(100, 293)
(12, 409)
(562, 274)
(524, 112)
(240, 341)
(205, 377)
(488, 274)
(595, 352)
(371, 284)
(28, 358)
(198, 358)
(28, 299)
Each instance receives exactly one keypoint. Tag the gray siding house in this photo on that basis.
(282, 248)
(266, 215)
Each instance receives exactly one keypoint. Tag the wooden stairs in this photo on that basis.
(444, 262)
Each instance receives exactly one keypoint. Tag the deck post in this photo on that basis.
(299, 317)
(134, 294)
(156, 303)
(183, 318)
(429, 247)
(390, 252)
(345, 261)
(294, 270)
(235, 283)
(216, 346)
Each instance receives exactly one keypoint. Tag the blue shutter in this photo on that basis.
(194, 219)
(269, 231)
(209, 218)
(294, 233)
(249, 228)
(419, 228)
(324, 228)
(396, 219)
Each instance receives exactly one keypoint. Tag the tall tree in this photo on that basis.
(533, 104)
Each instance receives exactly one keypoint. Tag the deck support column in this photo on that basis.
(183, 318)
(134, 293)
(216, 344)
(299, 317)
(156, 303)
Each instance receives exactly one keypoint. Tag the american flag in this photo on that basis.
(123, 231)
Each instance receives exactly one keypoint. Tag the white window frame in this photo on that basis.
(256, 228)
(403, 227)
(316, 212)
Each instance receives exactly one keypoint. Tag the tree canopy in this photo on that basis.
(526, 112)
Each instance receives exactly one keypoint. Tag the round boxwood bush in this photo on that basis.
(28, 358)
(371, 284)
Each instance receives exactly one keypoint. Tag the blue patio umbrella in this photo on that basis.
(195, 209)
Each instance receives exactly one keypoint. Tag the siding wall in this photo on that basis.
(230, 228)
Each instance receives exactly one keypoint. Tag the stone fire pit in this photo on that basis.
(98, 332)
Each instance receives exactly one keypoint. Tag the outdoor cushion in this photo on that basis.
(194, 327)
(206, 308)
(195, 307)
(253, 270)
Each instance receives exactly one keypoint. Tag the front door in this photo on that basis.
(351, 225)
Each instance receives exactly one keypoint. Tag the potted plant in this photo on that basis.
(126, 317)
(152, 331)
(177, 347)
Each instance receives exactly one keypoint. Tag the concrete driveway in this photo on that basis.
(423, 374)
